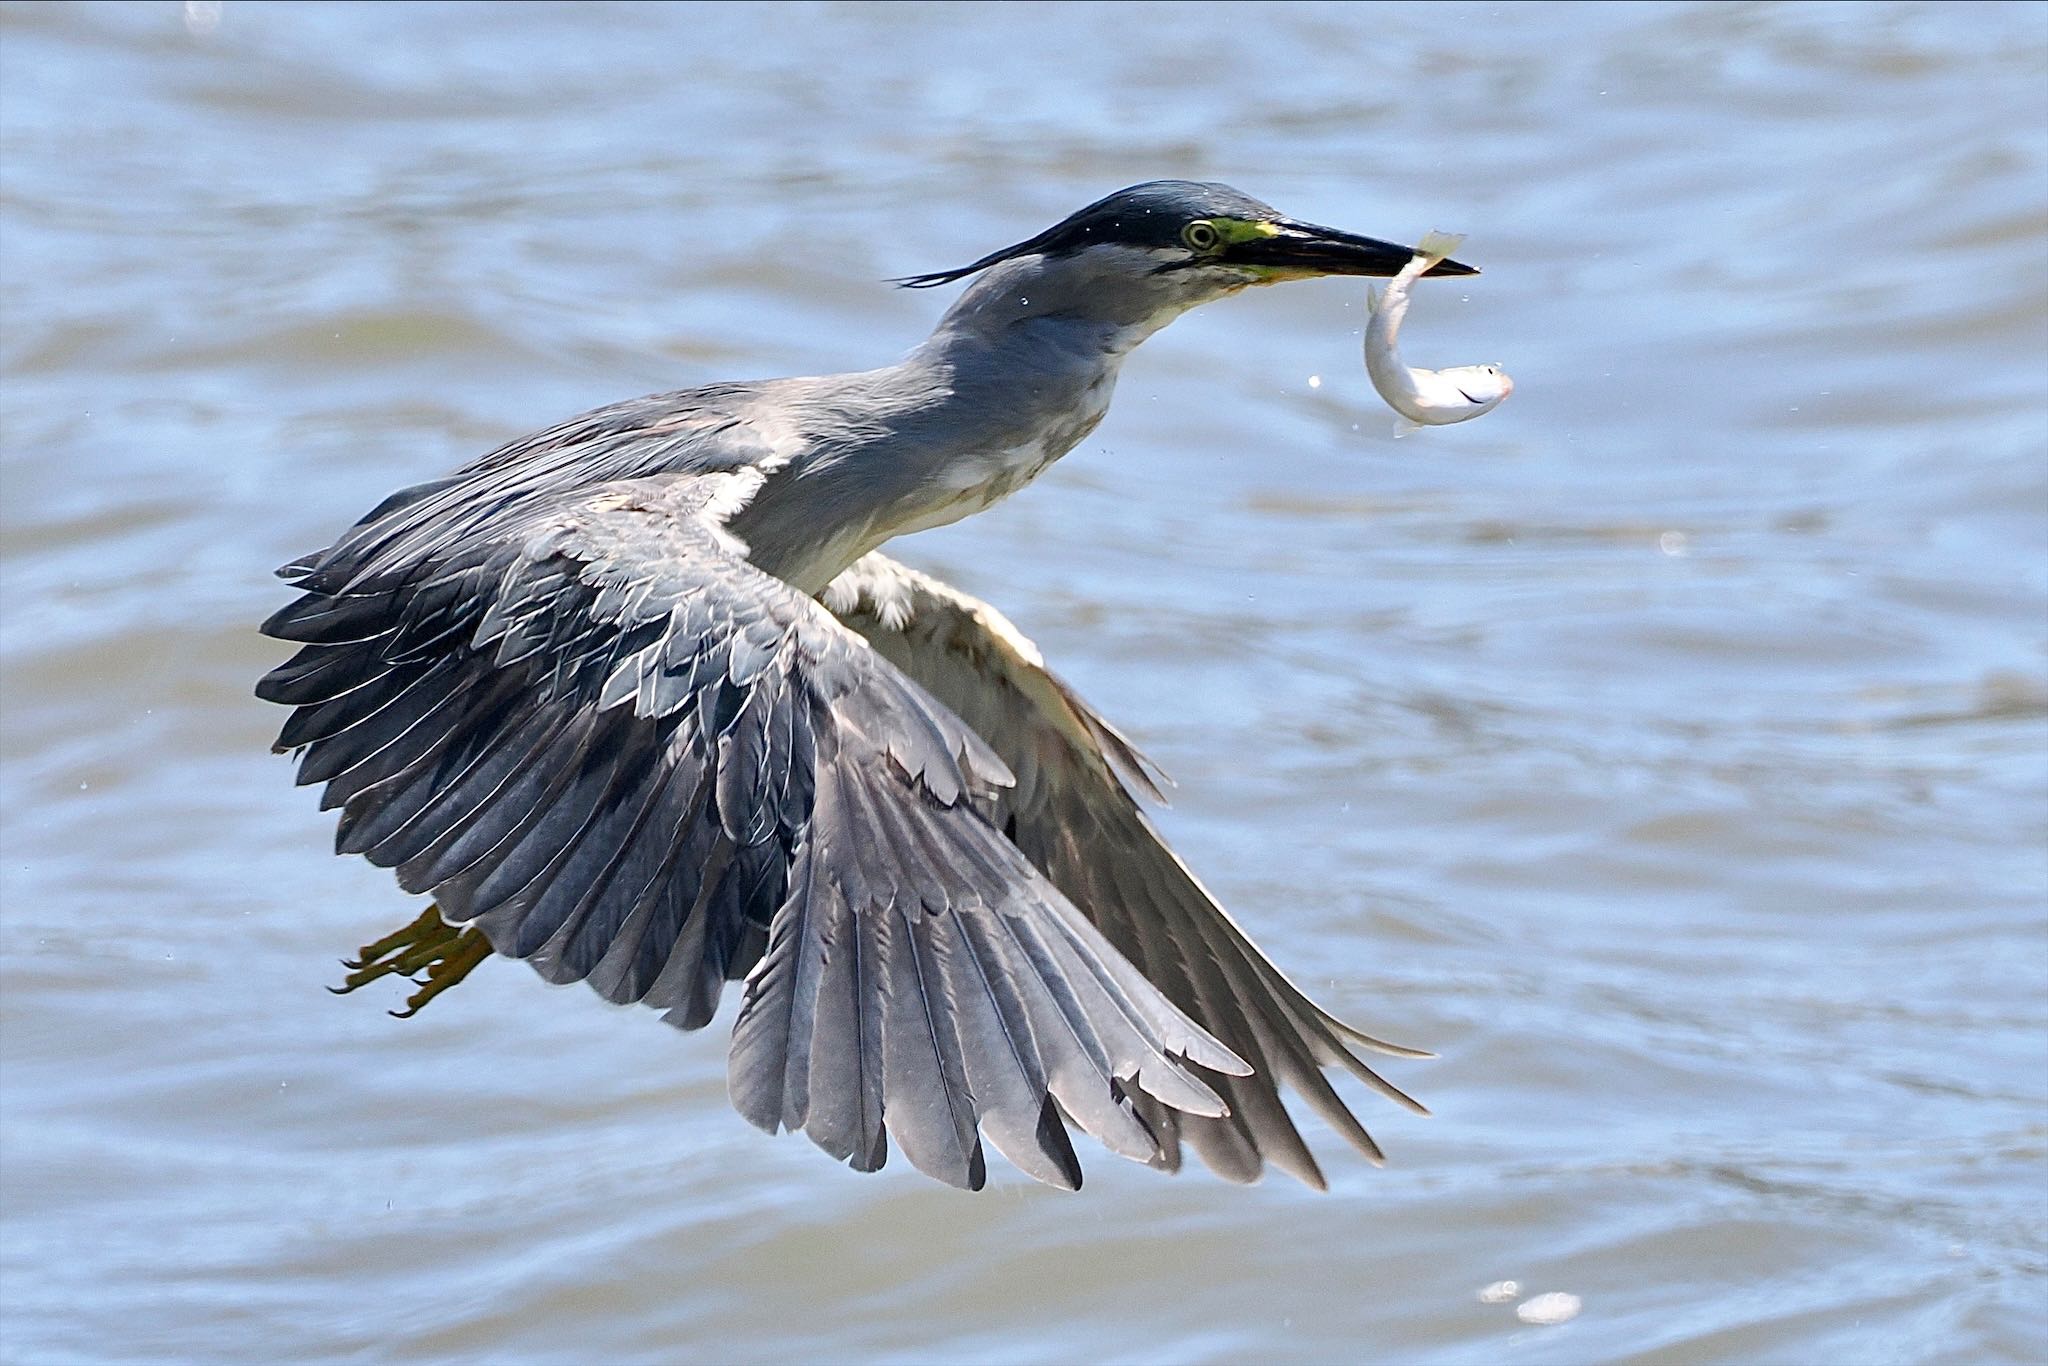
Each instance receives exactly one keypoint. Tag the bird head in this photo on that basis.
(1168, 245)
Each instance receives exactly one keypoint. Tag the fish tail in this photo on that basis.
(1372, 300)
(1437, 245)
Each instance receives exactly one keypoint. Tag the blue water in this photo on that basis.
(1667, 750)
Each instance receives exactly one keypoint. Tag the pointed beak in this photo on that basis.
(1305, 249)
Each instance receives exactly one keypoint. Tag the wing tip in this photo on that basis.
(1365, 1040)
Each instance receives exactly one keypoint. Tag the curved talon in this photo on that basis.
(430, 953)
(365, 975)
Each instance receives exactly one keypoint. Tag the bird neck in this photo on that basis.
(1082, 306)
(1014, 376)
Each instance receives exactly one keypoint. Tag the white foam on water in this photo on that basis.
(1554, 1307)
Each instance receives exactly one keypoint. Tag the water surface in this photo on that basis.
(1668, 750)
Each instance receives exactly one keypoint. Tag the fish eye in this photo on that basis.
(1201, 235)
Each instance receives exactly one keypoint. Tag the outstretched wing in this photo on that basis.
(1076, 820)
(591, 728)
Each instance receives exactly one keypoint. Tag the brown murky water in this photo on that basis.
(1668, 749)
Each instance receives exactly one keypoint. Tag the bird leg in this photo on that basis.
(444, 953)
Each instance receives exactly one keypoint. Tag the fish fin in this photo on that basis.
(1437, 245)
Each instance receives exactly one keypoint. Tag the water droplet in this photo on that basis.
(1315, 381)
(1500, 1292)
(1672, 543)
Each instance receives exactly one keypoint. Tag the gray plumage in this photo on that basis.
(635, 699)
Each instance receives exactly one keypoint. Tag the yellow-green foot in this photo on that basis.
(433, 953)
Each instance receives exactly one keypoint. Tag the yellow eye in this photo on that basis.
(1201, 235)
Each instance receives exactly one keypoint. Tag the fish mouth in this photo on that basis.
(1301, 250)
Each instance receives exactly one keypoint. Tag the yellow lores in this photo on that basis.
(1215, 234)
(1429, 398)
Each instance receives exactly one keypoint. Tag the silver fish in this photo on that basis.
(1427, 398)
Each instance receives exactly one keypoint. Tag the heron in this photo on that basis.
(638, 699)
